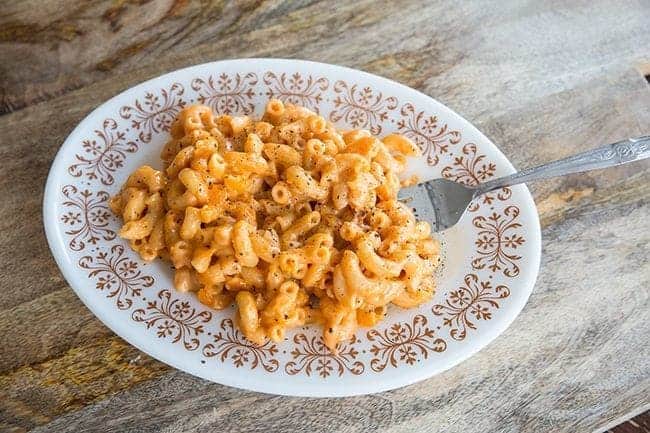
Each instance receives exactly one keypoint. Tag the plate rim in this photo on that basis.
(243, 381)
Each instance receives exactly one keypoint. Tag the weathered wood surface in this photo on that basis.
(542, 79)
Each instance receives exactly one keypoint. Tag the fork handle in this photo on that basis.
(633, 149)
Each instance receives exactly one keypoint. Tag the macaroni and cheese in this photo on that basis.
(290, 219)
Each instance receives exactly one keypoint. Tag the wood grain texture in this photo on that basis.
(638, 424)
(541, 79)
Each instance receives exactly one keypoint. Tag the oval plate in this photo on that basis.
(492, 255)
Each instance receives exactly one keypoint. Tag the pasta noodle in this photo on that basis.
(290, 219)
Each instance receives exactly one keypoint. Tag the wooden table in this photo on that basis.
(541, 79)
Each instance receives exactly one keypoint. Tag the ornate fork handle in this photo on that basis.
(633, 149)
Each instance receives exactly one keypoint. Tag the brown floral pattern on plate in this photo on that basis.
(469, 168)
(101, 158)
(403, 342)
(227, 94)
(296, 88)
(87, 217)
(174, 318)
(117, 274)
(230, 343)
(155, 112)
(432, 137)
(361, 107)
(310, 355)
(471, 302)
(472, 168)
(497, 240)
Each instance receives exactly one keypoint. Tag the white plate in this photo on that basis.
(492, 256)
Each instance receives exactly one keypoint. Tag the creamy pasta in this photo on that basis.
(289, 219)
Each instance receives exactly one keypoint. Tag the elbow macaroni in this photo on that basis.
(288, 218)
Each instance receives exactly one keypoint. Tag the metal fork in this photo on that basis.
(442, 202)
